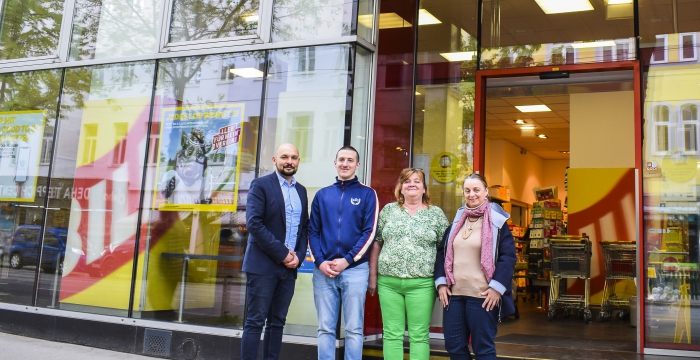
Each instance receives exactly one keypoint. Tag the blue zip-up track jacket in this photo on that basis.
(343, 222)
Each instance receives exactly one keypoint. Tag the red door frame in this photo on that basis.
(480, 144)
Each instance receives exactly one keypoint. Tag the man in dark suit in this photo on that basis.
(277, 219)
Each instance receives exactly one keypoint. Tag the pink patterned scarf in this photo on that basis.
(487, 261)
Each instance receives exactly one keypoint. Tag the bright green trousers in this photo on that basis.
(405, 300)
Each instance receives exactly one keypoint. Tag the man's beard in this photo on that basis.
(286, 171)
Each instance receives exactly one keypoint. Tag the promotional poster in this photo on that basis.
(199, 160)
(21, 133)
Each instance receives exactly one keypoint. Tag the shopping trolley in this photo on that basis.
(570, 259)
(620, 260)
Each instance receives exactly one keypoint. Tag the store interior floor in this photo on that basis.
(533, 336)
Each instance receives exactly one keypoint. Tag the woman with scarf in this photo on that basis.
(473, 273)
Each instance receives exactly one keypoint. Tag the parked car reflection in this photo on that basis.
(24, 249)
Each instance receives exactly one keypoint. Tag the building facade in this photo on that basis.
(131, 131)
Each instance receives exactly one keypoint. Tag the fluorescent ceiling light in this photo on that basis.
(529, 127)
(527, 133)
(533, 108)
(459, 56)
(386, 21)
(520, 121)
(564, 6)
(592, 44)
(542, 136)
(616, 2)
(252, 18)
(426, 18)
(247, 72)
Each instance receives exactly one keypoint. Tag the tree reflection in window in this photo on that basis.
(194, 20)
(30, 28)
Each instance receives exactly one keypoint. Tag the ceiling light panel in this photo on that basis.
(564, 6)
(533, 108)
(426, 18)
(386, 21)
(459, 56)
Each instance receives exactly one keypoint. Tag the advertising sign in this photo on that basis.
(21, 134)
(199, 158)
(444, 167)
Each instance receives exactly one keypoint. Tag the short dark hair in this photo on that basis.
(348, 147)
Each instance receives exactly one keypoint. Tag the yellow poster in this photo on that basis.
(199, 158)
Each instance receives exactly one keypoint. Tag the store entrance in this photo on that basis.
(560, 153)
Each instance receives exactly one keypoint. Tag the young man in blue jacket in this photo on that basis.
(342, 226)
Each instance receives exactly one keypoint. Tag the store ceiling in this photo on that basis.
(504, 94)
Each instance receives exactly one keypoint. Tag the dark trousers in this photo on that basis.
(465, 317)
(268, 299)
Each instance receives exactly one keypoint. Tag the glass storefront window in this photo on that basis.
(306, 104)
(194, 20)
(360, 102)
(443, 131)
(311, 19)
(30, 28)
(113, 28)
(365, 19)
(671, 246)
(202, 156)
(28, 105)
(96, 184)
(523, 33)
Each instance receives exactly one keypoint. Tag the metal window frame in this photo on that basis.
(164, 49)
(30, 66)
(680, 131)
(670, 124)
(664, 37)
(681, 46)
(262, 32)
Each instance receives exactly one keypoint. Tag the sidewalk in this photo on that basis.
(13, 347)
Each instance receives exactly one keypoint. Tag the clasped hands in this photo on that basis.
(291, 261)
(333, 268)
(492, 297)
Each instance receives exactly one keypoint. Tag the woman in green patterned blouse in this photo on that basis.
(402, 264)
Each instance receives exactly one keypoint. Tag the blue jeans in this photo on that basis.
(267, 298)
(465, 317)
(350, 287)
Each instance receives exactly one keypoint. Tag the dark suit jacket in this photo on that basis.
(266, 221)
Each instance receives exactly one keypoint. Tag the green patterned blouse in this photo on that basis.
(409, 242)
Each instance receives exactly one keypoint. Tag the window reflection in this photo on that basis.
(521, 34)
(28, 106)
(444, 97)
(30, 28)
(205, 130)
(670, 182)
(97, 182)
(307, 104)
(311, 19)
(194, 20)
(114, 28)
